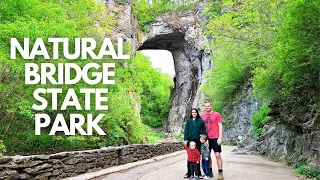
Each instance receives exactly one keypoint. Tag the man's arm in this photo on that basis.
(220, 133)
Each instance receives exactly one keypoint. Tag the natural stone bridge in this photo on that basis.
(181, 33)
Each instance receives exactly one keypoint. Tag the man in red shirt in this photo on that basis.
(213, 123)
(194, 159)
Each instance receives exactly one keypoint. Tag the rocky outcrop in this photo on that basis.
(282, 141)
(237, 117)
(67, 164)
(182, 35)
(285, 140)
(126, 22)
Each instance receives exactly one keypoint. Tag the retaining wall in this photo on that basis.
(67, 164)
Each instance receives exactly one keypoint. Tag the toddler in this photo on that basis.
(194, 159)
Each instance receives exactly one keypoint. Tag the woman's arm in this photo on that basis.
(203, 128)
(186, 131)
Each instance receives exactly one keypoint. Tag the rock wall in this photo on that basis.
(237, 117)
(67, 164)
(285, 140)
(280, 142)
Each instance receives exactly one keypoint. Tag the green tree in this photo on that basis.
(71, 19)
(243, 32)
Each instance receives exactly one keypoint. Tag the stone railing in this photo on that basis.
(67, 164)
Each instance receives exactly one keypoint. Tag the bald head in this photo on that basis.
(192, 145)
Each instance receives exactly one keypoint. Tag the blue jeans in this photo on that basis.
(205, 166)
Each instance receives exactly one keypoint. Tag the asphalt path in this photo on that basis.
(235, 167)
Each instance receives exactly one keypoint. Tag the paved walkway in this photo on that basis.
(236, 167)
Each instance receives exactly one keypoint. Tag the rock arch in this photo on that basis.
(182, 35)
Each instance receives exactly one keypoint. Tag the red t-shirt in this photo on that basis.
(211, 122)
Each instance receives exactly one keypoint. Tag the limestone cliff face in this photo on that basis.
(288, 142)
(285, 140)
(126, 22)
(181, 34)
(237, 117)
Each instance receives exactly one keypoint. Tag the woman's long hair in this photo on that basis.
(198, 115)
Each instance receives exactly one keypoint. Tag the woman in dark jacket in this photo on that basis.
(194, 127)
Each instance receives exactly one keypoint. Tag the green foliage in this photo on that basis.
(302, 168)
(148, 10)
(223, 81)
(34, 19)
(272, 43)
(259, 119)
(73, 19)
(294, 67)
(242, 35)
(179, 137)
(120, 1)
(155, 92)
(154, 137)
(2, 148)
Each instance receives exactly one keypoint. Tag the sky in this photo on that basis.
(161, 59)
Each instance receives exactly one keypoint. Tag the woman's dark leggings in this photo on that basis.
(198, 146)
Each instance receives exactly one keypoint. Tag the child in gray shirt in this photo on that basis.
(205, 153)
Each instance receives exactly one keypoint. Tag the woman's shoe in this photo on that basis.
(186, 176)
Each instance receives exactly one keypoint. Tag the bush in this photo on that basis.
(223, 81)
(2, 148)
(154, 137)
(259, 119)
(147, 11)
(302, 168)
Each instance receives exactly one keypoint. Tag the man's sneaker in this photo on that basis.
(206, 177)
(211, 174)
(220, 176)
